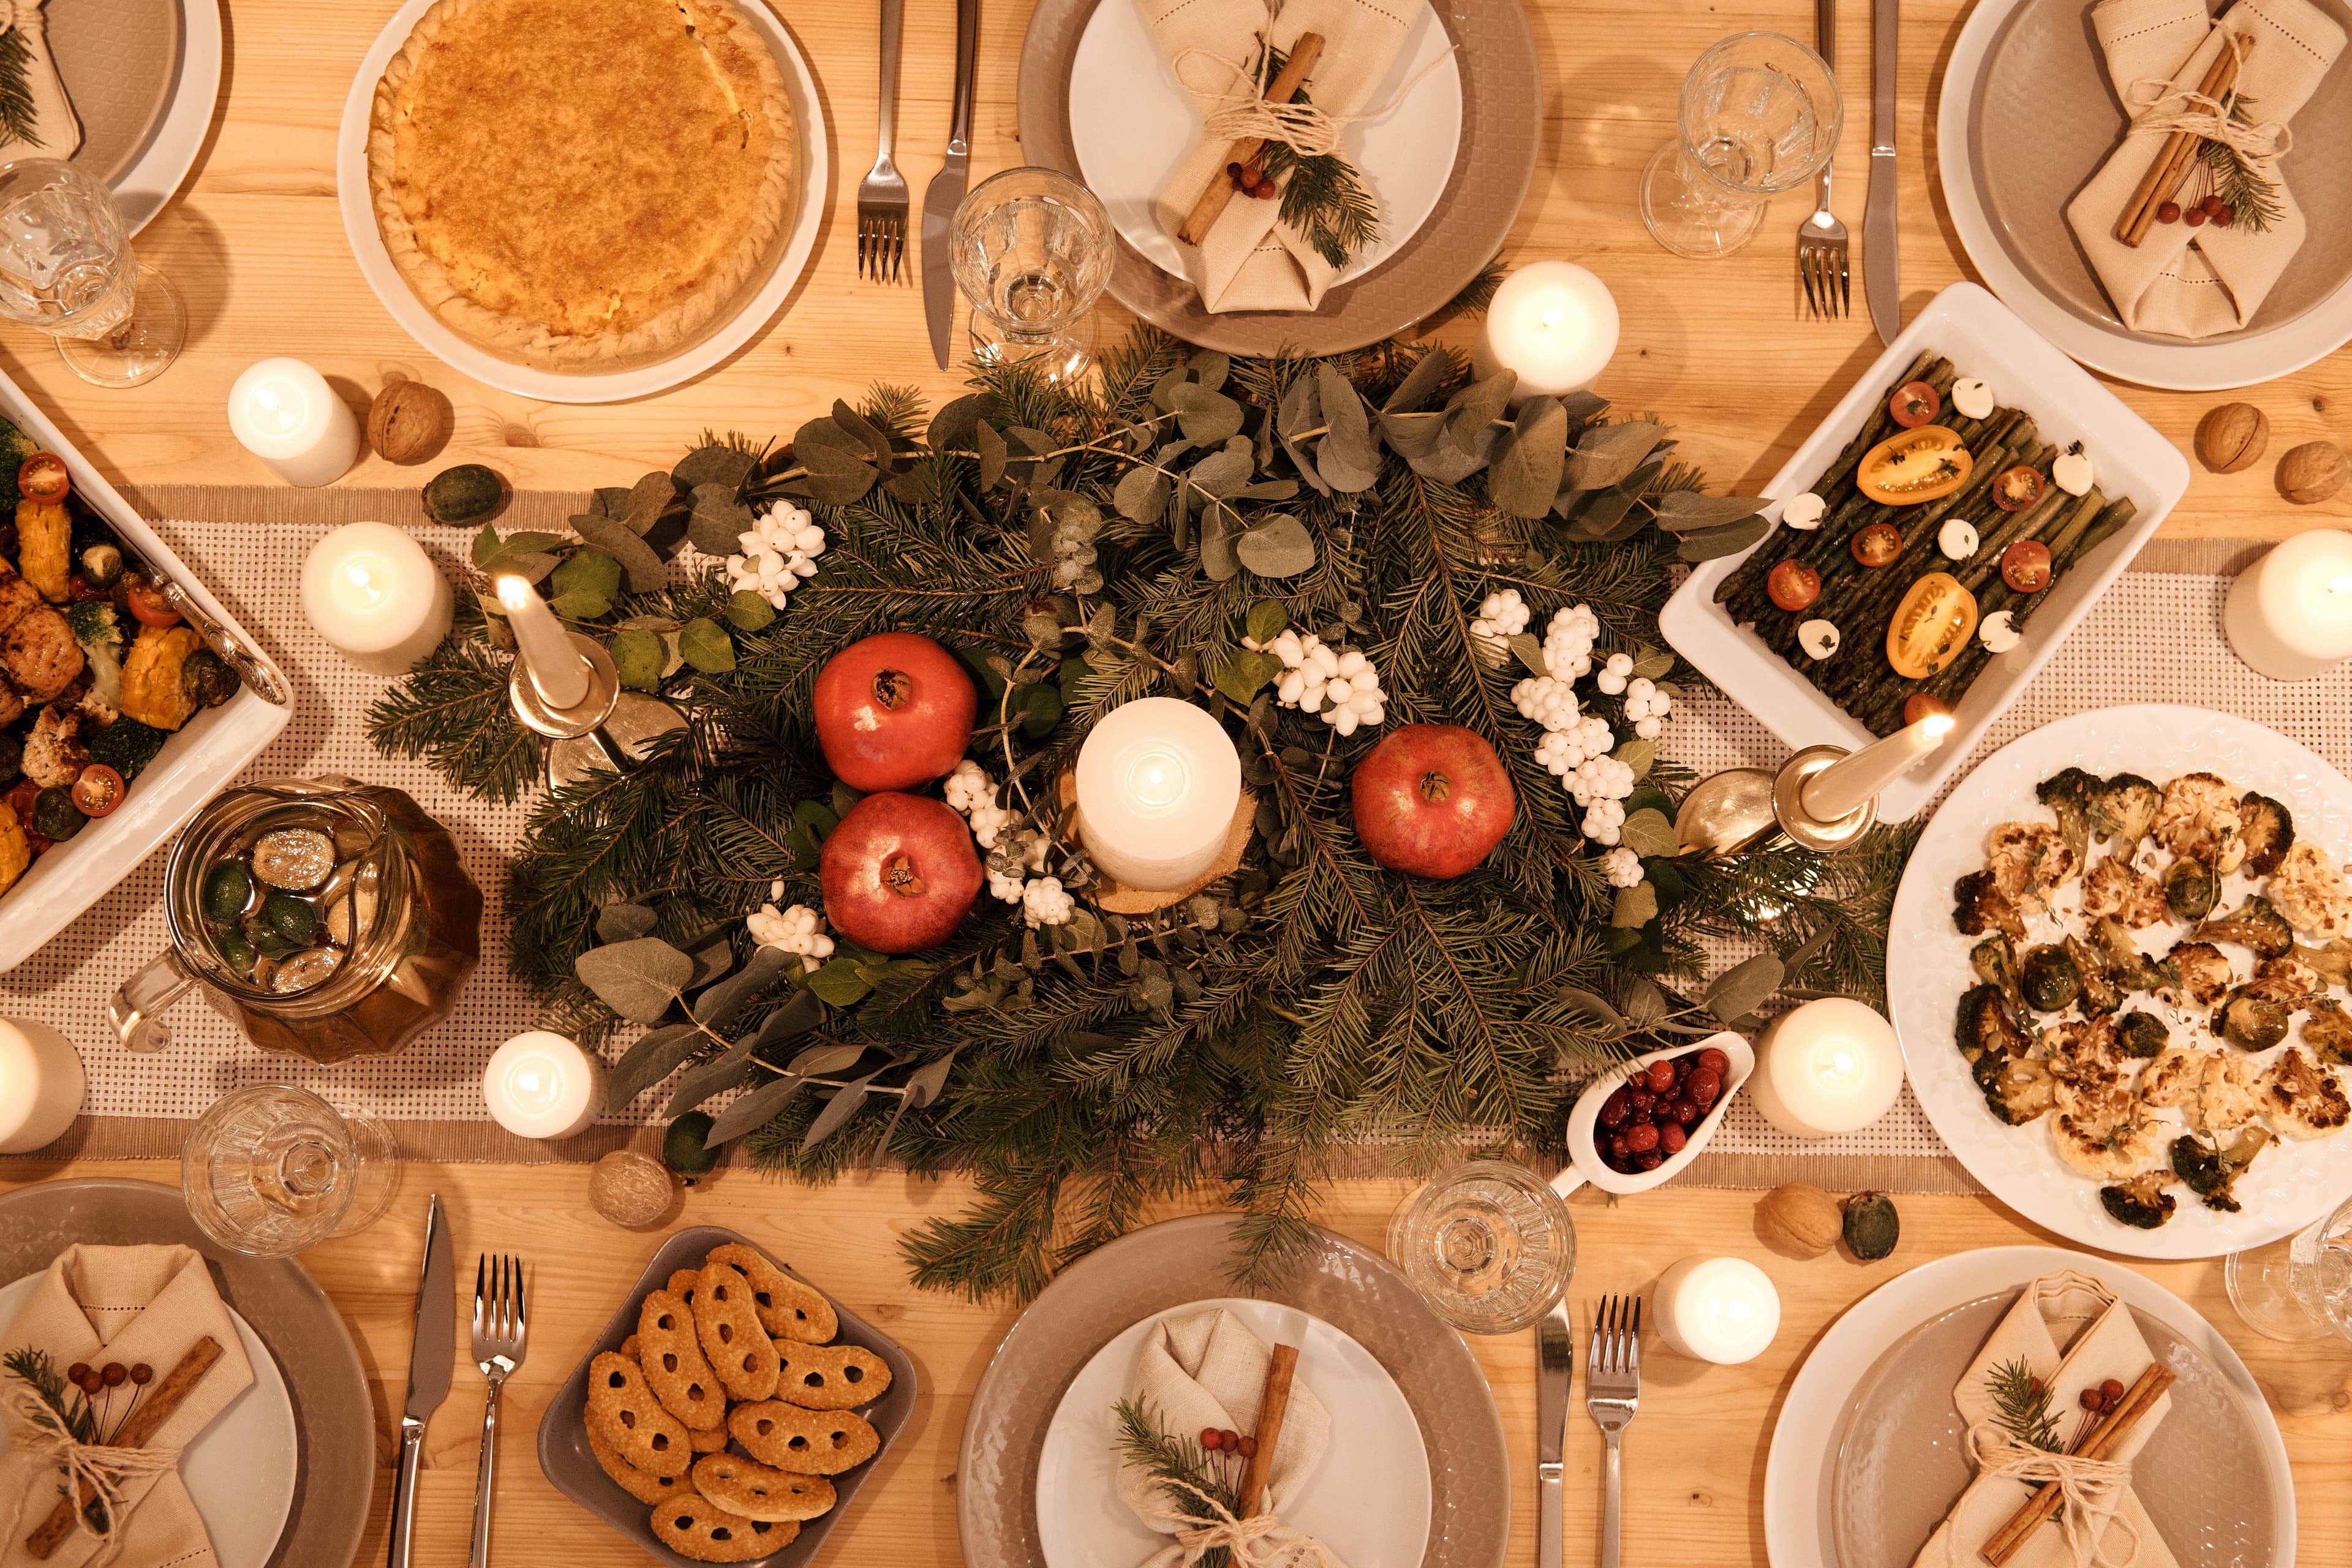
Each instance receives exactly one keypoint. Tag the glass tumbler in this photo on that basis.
(1488, 1244)
(66, 267)
(2299, 1289)
(1032, 250)
(1760, 114)
(273, 1170)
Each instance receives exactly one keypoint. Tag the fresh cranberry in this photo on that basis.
(1649, 1161)
(1703, 1087)
(1671, 1140)
(1617, 1109)
(1641, 1138)
(1714, 1061)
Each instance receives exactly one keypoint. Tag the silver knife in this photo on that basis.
(1551, 1430)
(1882, 251)
(430, 1358)
(946, 192)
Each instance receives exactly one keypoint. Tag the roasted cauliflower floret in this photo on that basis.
(2201, 974)
(2328, 1033)
(2030, 861)
(2302, 1098)
(2017, 1089)
(2068, 793)
(2115, 889)
(2200, 819)
(2122, 811)
(2256, 924)
(2127, 965)
(2104, 1151)
(2309, 892)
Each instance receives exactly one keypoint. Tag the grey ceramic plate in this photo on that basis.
(564, 1456)
(284, 1305)
(1350, 1286)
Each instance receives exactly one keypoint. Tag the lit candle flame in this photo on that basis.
(2341, 586)
(513, 592)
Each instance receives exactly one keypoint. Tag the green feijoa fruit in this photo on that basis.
(228, 888)
(469, 493)
(235, 951)
(1872, 1225)
(290, 918)
(682, 1149)
(54, 816)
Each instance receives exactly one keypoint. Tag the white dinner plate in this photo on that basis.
(2289, 1186)
(1798, 1471)
(181, 39)
(1369, 1501)
(1131, 123)
(392, 292)
(240, 1470)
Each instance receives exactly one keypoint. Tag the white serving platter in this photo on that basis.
(1983, 338)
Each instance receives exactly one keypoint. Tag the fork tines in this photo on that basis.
(1829, 283)
(1616, 1353)
(500, 1327)
(881, 242)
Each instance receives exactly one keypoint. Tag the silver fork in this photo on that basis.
(1613, 1392)
(499, 1336)
(1821, 242)
(882, 195)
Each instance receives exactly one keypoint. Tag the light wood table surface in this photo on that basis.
(1694, 1460)
(256, 245)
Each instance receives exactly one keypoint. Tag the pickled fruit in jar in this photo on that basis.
(311, 966)
(228, 889)
(289, 918)
(294, 858)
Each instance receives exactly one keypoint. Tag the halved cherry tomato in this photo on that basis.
(1915, 405)
(98, 790)
(2025, 567)
(1793, 585)
(1920, 705)
(148, 604)
(2014, 489)
(43, 477)
(1877, 544)
(1931, 625)
(1914, 466)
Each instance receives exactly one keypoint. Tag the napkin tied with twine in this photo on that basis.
(2195, 282)
(57, 130)
(129, 1304)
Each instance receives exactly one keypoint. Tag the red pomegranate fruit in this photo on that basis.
(1433, 800)
(899, 873)
(893, 712)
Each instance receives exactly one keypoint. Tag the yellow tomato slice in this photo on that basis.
(1931, 625)
(1914, 466)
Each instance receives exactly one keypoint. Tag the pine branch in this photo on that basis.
(452, 711)
(2252, 195)
(2022, 1405)
(19, 118)
(1183, 1466)
(34, 1368)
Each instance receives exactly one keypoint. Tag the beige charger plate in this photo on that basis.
(142, 76)
(1147, 1272)
(1502, 120)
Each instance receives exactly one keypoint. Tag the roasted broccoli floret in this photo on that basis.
(2049, 979)
(2254, 924)
(93, 624)
(2068, 793)
(2209, 1169)
(2332, 964)
(2328, 1033)
(2128, 966)
(1978, 907)
(2141, 1035)
(2141, 1203)
(127, 746)
(2266, 829)
(2122, 810)
(1995, 961)
(2100, 994)
(2250, 1023)
(1986, 1029)
(2190, 889)
(2016, 1088)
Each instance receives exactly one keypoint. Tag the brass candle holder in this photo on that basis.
(1743, 808)
(607, 731)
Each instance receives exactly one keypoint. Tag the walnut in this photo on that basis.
(409, 422)
(2312, 472)
(2232, 437)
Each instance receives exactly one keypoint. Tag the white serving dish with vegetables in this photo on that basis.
(112, 730)
(1770, 667)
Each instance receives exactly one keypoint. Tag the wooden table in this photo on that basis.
(1694, 1458)
(256, 245)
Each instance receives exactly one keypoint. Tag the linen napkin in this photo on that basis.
(2072, 1333)
(2180, 281)
(1250, 259)
(54, 122)
(1208, 1369)
(130, 1304)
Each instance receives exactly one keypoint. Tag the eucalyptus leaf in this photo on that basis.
(1680, 512)
(836, 476)
(638, 979)
(717, 1006)
(1584, 1004)
(796, 1016)
(651, 1059)
(823, 434)
(1650, 663)
(647, 499)
(839, 984)
(648, 574)
(1635, 906)
(1217, 556)
(1449, 463)
(581, 606)
(1301, 409)
(1645, 1003)
(619, 923)
(1421, 384)
(1413, 434)
(845, 1104)
(1648, 833)
(1745, 987)
(928, 1082)
(1472, 411)
(1348, 458)
(719, 521)
(1531, 460)
(864, 431)
(1530, 652)
(1210, 368)
(725, 1071)
(1606, 454)
(1141, 496)
(1220, 474)
(748, 612)
(819, 1060)
(1205, 417)
(756, 1108)
(1641, 755)
(714, 464)
(993, 454)
(706, 646)
(1279, 547)
(951, 427)
(1711, 544)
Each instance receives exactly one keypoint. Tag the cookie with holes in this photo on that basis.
(788, 1308)
(807, 1442)
(739, 1348)
(670, 1351)
(829, 1377)
(682, 1282)
(706, 1440)
(752, 1491)
(700, 1530)
(623, 1409)
(643, 1485)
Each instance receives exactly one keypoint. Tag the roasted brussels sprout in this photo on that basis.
(2122, 809)
(2100, 994)
(2328, 1033)
(1986, 1029)
(2190, 889)
(1995, 961)
(2016, 1088)
(101, 564)
(2250, 1023)
(206, 679)
(2049, 979)
(2128, 966)
(1979, 906)
(2210, 1170)
(2141, 1035)
(2266, 829)
(2068, 793)
(2141, 1203)
(2254, 924)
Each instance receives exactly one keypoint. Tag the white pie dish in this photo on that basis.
(1585, 1164)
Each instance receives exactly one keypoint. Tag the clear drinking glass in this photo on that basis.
(1032, 249)
(1759, 115)
(1488, 1244)
(2299, 1289)
(66, 266)
(274, 1170)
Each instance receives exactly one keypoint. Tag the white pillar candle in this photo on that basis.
(1158, 782)
(40, 1086)
(1829, 1067)
(1851, 783)
(1552, 321)
(2289, 614)
(284, 414)
(545, 647)
(371, 591)
(540, 1085)
(1722, 1309)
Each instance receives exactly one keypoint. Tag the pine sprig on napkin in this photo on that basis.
(2252, 199)
(1179, 1464)
(1325, 201)
(34, 1368)
(2022, 1405)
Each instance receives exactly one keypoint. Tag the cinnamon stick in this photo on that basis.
(144, 1423)
(2163, 180)
(1283, 87)
(1272, 1406)
(2096, 1444)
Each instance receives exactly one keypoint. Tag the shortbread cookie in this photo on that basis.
(739, 1348)
(805, 1442)
(682, 1282)
(629, 1348)
(706, 1440)
(671, 1354)
(788, 1308)
(623, 1409)
(700, 1530)
(643, 1485)
(755, 1491)
(829, 1377)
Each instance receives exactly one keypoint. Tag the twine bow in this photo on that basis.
(108, 1472)
(2091, 1490)
(1247, 1541)
(2215, 120)
(1239, 109)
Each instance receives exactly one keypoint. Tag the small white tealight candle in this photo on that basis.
(1722, 1309)
(371, 591)
(284, 414)
(545, 647)
(1829, 1067)
(40, 1086)
(540, 1085)
(2289, 614)
(1552, 321)
(1158, 782)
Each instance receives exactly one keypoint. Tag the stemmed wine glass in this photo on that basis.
(1032, 249)
(2298, 1288)
(272, 1170)
(1759, 115)
(1488, 1244)
(66, 266)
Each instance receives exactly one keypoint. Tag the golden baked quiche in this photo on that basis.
(581, 184)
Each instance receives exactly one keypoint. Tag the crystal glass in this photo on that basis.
(1032, 250)
(274, 1170)
(2299, 1289)
(1759, 115)
(66, 266)
(1488, 1244)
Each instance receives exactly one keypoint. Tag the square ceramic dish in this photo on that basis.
(197, 764)
(1982, 337)
(566, 1461)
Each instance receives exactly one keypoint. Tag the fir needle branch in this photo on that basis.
(34, 1368)
(18, 117)
(2021, 1404)
(1325, 200)
(1182, 1467)
(2252, 196)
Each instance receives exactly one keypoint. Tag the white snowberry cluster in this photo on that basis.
(1502, 615)
(1044, 903)
(1548, 699)
(1615, 675)
(1013, 852)
(1564, 750)
(780, 551)
(1340, 684)
(1647, 707)
(1600, 785)
(1568, 642)
(1622, 867)
(796, 930)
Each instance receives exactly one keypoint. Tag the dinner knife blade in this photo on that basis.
(430, 1355)
(947, 187)
(1555, 1363)
(1881, 254)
